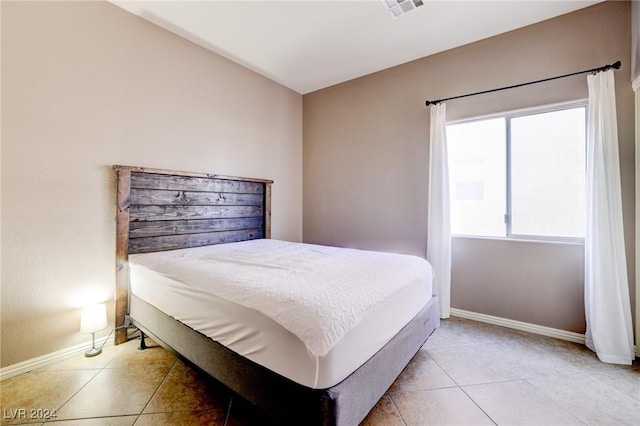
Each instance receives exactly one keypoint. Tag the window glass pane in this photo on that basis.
(548, 174)
(477, 173)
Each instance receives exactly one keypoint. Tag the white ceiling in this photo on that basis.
(308, 45)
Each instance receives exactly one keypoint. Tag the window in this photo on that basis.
(519, 175)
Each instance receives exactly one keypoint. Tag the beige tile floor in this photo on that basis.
(468, 373)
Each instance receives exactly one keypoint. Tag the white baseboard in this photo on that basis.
(519, 325)
(52, 358)
(49, 359)
(525, 326)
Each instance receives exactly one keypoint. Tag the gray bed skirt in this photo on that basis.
(346, 403)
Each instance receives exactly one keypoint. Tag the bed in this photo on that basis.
(197, 270)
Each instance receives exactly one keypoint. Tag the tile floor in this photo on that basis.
(468, 373)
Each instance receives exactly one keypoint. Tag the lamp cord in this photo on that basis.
(105, 340)
(110, 333)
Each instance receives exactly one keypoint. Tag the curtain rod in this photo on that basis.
(616, 65)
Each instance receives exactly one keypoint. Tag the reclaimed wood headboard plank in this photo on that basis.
(173, 242)
(159, 196)
(141, 213)
(194, 183)
(161, 210)
(172, 227)
(122, 250)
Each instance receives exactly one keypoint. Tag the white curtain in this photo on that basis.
(607, 303)
(438, 225)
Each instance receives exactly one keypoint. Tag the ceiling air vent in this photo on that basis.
(398, 8)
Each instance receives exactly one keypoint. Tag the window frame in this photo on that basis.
(508, 116)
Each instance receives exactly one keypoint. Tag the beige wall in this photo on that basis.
(635, 40)
(365, 158)
(87, 85)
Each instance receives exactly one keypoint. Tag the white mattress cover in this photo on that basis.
(228, 292)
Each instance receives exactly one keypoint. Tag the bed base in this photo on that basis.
(287, 402)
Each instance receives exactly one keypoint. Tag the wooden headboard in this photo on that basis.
(161, 210)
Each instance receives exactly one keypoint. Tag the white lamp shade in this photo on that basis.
(93, 318)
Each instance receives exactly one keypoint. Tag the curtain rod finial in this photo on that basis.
(617, 65)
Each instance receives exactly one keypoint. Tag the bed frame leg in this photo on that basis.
(143, 344)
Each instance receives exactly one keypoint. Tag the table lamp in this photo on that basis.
(92, 319)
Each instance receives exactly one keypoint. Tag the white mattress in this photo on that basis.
(311, 313)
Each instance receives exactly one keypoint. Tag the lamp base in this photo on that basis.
(93, 352)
